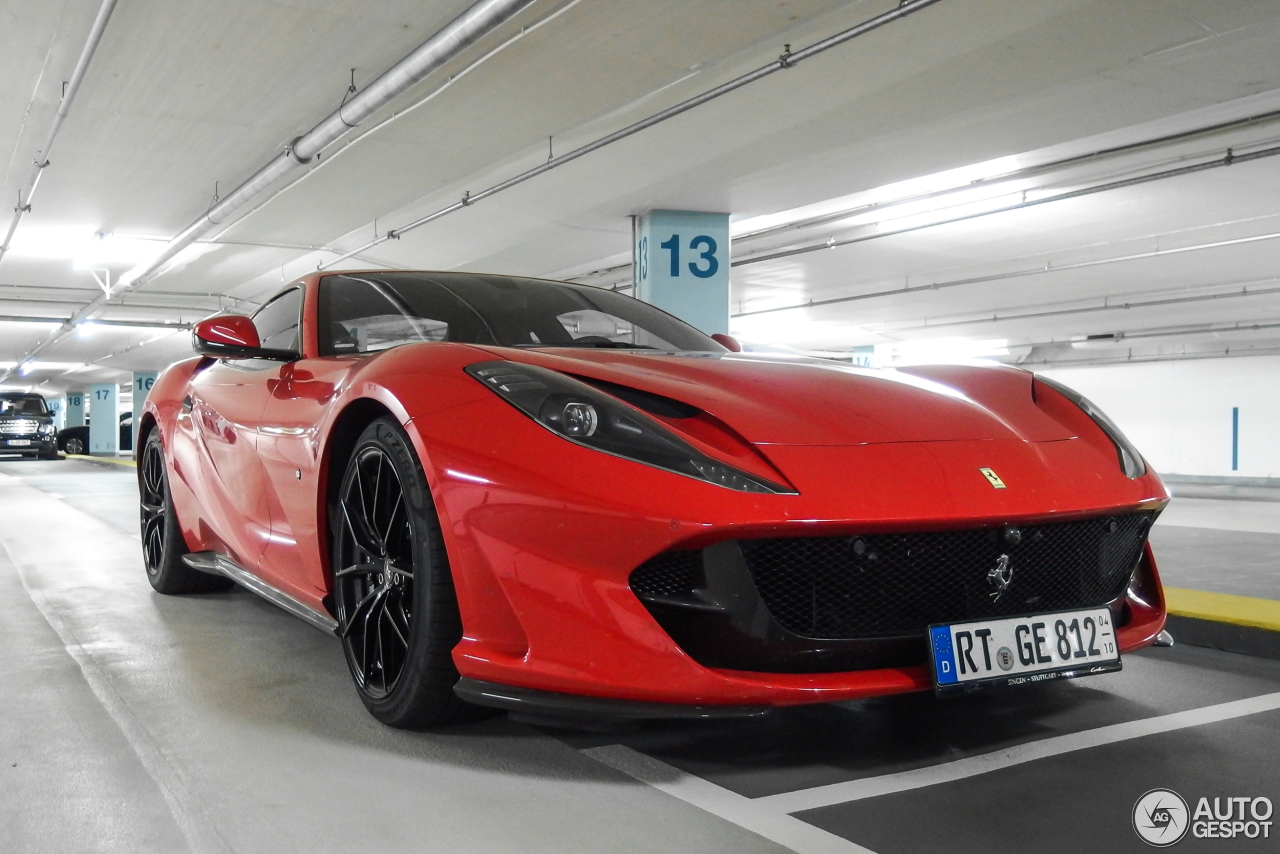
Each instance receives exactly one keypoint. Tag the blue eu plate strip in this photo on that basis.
(944, 658)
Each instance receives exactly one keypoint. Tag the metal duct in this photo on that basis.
(463, 31)
(457, 35)
(64, 107)
(787, 60)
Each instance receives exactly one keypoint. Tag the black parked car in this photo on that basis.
(26, 426)
(75, 440)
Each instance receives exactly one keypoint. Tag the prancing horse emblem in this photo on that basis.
(1000, 577)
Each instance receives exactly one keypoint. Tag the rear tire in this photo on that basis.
(162, 542)
(392, 587)
(75, 446)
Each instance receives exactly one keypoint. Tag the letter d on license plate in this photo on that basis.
(1019, 650)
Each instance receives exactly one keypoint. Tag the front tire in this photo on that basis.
(393, 590)
(162, 542)
(75, 446)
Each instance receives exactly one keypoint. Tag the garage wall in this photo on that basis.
(1179, 413)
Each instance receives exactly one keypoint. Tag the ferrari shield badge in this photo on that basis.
(990, 475)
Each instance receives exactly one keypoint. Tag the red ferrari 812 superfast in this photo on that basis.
(553, 498)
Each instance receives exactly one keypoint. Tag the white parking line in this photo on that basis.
(772, 824)
(855, 790)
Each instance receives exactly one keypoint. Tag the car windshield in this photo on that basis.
(25, 404)
(367, 312)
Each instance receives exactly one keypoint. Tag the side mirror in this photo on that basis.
(727, 341)
(232, 336)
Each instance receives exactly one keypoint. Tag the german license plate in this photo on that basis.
(1021, 650)
(19, 443)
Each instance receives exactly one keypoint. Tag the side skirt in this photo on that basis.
(219, 564)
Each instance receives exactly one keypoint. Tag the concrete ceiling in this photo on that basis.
(186, 95)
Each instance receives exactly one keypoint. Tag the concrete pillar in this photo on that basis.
(104, 419)
(75, 409)
(142, 383)
(682, 266)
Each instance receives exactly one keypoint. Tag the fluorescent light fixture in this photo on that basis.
(84, 245)
(86, 329)
(114, 250)
(772, 330)
(876, 199)
(936, 350)
(63, 367)
(945, 211)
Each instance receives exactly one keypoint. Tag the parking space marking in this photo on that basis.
(856, 790)
(752, 815)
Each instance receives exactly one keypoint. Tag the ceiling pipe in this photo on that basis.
(1098, 156)
(1047, 267)
(64, 107)
(1228, 159)
(460, 33)
(789, 59)
(1238, 291)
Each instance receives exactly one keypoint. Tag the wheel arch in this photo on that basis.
(145, 426)
(346, 429)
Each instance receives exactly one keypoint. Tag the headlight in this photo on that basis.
(1130, 460)
(46, 429)
(589, 417)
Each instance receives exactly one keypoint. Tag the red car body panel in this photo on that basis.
(542, 534)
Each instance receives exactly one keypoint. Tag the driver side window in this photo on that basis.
(278, 322)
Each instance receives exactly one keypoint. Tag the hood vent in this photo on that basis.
(655, 404)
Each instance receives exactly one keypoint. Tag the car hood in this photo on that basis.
(802, 401)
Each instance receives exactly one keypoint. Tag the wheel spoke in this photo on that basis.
(400, 626)
(360, 533)
(359, 569)
(368, 529)
(391, 520)
(398, 571)
(362, 608)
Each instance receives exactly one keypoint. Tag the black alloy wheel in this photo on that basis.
(392, 588)
(162, 542)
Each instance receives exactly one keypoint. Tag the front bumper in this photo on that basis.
(28, 445)
(543, 536)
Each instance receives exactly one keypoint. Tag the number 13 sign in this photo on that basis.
(682, 266)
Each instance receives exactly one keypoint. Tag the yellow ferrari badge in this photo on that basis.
(990, 475)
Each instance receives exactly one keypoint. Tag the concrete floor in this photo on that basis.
(137, 722)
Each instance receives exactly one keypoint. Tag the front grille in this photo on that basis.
(19, 427)
(893, 585)
(668, 574)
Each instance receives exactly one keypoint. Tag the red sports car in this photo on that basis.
(557, 499)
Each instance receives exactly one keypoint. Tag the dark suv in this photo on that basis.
(26, 426)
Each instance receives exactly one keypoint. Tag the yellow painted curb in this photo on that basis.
(1224, 608)
(113, 460)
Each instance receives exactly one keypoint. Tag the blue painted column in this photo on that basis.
(104, 419)
(1235, 438)
(682, 266)
(75, 409)
(142, 383)
(58, 409)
